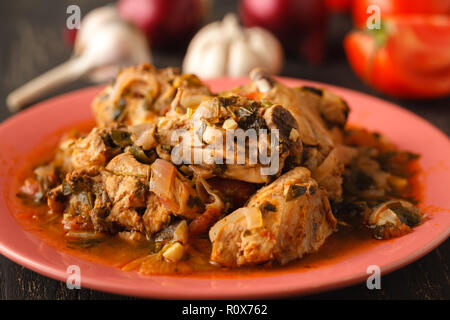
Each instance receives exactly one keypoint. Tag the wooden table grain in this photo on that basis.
(31, 42)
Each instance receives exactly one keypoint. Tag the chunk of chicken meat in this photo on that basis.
(89, 151)
(125, 181)
(96, 148)
(320, 116)
(166, 193)
(318, 109)
(229, 135)
(140, 94)
(174, 190)
(88, 203)
(282, 221)
(124, 196)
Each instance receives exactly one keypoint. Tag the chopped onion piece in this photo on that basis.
(143, 135)
(163, 174)
(174, 252)
(180, 233)
(254, 218)
(87, 235)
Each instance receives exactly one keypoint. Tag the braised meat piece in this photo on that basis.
(140, 94)
(229, 135)
(282, 221)
(126, 195)
(88, 201)
(320, 116)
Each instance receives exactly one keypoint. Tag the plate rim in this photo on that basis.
(54, 273)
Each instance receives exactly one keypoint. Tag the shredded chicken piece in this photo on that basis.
(293, 218)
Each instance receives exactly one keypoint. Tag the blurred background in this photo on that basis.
(312, 33)
(405, 60)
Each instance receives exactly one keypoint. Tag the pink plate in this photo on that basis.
(22, 133)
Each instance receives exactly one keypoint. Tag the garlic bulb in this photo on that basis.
(104, 44)
(224, 48)
(92, 22)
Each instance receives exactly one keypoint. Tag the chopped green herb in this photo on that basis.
(406, 216)
(295, 191)
(121, 138)
(265, 103)
(194, 201)
(227, 101)
(248, 117)
(267, 207)
(119, 109)
(84, 243)
(140, 155)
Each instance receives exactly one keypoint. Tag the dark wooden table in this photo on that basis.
(31, 42)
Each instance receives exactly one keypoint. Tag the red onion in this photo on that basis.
(300, 25)
(167, 23)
